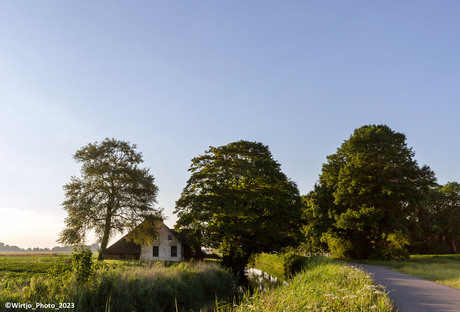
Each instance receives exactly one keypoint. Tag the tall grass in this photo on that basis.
(125, 288)
(323, 285)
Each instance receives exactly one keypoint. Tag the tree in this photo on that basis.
(447, 213)
(237, 199)
(319, 221)
(367, 195)
(113, 195)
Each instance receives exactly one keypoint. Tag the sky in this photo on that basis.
(175, 77)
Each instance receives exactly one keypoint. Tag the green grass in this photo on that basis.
(272, 264)
(119, 285)
(28, 265)
(323, 285)
(443, 269)
(280, 265)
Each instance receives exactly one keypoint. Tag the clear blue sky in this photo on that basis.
(175, 77)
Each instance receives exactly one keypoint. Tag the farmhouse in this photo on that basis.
(169, 246)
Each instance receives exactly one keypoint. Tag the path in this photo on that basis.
(414, 294)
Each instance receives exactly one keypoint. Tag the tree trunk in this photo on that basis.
(454, 248)
(105, 237)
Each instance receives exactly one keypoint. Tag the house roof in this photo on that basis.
(124, 247)
(182, 236)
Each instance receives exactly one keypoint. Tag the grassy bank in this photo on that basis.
(281, 265)
(443, 269)
(118, 287)
(323, 285)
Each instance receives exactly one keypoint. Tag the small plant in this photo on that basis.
(60, 268)
(82, 264)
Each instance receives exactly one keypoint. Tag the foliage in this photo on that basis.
(438, 220)
(126, 288)
(324, 285)
(112, 195)
(82, 264)
(238, 200)
(447, 214)
(61, 267)
(365, 202)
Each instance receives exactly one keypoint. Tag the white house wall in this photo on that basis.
(164, 250)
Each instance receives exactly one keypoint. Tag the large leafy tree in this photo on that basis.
(237, 199)
(447, 214)
(367, 197)
(112, 195)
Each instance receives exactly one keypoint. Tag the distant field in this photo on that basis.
(28, 254)
(443, 269)
(26, 265)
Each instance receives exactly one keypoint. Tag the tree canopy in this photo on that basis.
(367, 196)
(446, 214)
(112, 195)
(237, 199)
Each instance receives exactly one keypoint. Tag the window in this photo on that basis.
(155, 251)
(173, 251)
(169, 237)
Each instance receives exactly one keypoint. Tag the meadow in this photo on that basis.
(313, 284)
(114, 285)
(443, 269)
(26, 265)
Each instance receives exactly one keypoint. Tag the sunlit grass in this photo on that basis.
(126, 286)
(26, 265)
(324, 285)
(443, 269)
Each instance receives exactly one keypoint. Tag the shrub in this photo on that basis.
(393, 249)
(61, 267)
(293, 263)
(82, 264)
(340, 248)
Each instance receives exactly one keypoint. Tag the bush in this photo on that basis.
(61, 267)
(340, 248)
(82, 264)
(293, 264)
(393, 249)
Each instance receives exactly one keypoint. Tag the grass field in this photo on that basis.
(26, 265)
(443, 269)
(116, 285)
(323, 285)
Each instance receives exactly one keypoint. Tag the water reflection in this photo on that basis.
(260, 280)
